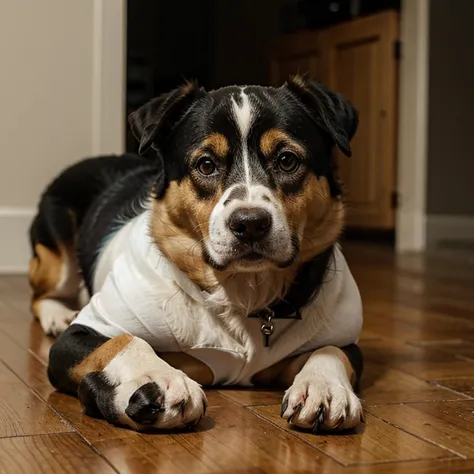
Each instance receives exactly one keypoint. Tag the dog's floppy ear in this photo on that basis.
(156, 117)
(334, 114)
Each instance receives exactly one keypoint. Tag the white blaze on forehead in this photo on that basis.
(243, 118)
(243, 114)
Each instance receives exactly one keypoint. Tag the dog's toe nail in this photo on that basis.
(318, 419)
(340, 422)
(295, 412)
(284, 407)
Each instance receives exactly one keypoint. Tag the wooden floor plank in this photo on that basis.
(420, 361)
(460, 348)
(418, 390)
(52, 454)
(379, 442)
(6, 375)
(24, 364)
(382, 385)
(446, 424)
(440, 466)
(463, 385)
(23, 413)
(29, 335)
(250, 397)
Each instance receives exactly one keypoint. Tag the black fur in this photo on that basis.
(305, 287)
(96, 395)
(71, 347)
(90, 200)
(120, 202)
(76, 188)
(145, 404)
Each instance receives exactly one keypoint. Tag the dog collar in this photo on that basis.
(302, 292)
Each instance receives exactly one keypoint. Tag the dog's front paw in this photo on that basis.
(162, 399)
(321, 404)
(140, 390)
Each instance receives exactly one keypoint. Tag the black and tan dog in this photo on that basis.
(216, 263)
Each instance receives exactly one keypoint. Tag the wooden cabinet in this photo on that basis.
(358, 60)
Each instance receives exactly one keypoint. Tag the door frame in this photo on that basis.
(412, 169)
(109, 51)
(109, 95)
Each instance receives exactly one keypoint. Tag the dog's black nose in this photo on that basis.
(250, 224)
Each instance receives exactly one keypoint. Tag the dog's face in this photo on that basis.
(248, 171)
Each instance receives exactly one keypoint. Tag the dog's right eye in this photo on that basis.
(206, 166)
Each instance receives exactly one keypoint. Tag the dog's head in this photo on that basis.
(248, 175)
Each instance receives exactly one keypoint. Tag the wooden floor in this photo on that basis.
(418, 392)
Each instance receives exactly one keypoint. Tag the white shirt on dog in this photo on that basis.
(138, 291)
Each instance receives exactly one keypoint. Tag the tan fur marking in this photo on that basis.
(217, 143)
(54, 275)
(315, 216)
(44, 274)
(298, 80)
(192, 367)
(179, 223)
(45, 270)
(272, 138)
(188, 87)
(98, 360)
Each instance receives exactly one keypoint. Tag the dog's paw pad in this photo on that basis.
(145, 404)
(164, 400)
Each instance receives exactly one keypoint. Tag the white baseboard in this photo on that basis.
(447, 228)
(410, 231)
(14, 241)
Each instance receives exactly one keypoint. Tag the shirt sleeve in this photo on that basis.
(127, 304)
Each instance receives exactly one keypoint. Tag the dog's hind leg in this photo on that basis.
(58, 290)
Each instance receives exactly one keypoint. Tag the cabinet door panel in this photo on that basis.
(358, 61)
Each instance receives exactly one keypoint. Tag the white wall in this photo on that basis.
(450, 193)
(56, 57)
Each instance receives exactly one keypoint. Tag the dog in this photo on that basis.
(215, 263)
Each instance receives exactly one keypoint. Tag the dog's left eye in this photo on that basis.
(288, 162)
(206, 166)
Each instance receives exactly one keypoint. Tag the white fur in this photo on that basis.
(221, 243)
(54, 316)
(243, 117)
(250, 291)
(323, 381)
(138, 365)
